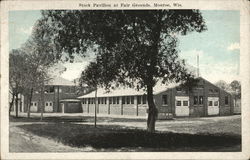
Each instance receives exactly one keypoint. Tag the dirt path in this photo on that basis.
(23, 141)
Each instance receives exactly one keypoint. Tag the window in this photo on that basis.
(114, 100)
(105, 100)
(144, 99)
(110, 100)
(226, 100)
(132, 99)
(117, 100)
(178, 89)
(216, 103)
(123, 100)
(164, 99)
(67, 90)
(99, 100)
(185, 103)
(201, 100)
(128, 100)
(178, 103)
(211, 90)
(51, 104)
(195, 100)
(46, 104)
(139, 99)
(210, 103)
(51, 89)
(88, 100)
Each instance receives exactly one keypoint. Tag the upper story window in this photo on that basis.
(51, 89)
(226, 100)
(200, 99)
(195, 100)
(164, 99)
(178, 89)
(211, 90)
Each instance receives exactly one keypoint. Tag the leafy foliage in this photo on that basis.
(131, 44)
(236, 87)
(136, 48)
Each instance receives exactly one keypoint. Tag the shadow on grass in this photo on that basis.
(115, 137)
(73, 119)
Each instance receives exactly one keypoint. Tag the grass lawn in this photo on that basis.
(117, 138)
(73, 119)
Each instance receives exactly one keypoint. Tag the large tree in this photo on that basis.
(131, 45)
(17, 76)
(40, 51)
(223, 85)
(236, 87)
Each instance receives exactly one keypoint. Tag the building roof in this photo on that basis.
(123, 91)
(59, 81)
(70, 100)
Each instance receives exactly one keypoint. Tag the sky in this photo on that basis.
(218, 47)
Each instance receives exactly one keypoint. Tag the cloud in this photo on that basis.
(233, 46)
(209, 66)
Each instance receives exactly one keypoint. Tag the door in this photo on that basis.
(62, 107)
(33, 107)
(49, 106)
(182, 106)
(213, 106)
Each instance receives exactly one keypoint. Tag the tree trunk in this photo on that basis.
(152, 111)
(16, 103)
(30, 99)
(95, 105)
(42, 101)
(11, 103)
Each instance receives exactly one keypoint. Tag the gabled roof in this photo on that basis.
(59, 81)
(101, 92)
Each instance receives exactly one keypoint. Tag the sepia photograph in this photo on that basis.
(124, 80)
